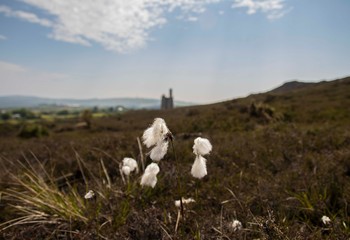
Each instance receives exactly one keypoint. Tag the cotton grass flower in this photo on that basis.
(201, 147)
(129, 165)
(157, 136)
(126, 170)
(89, 194)
(326, 220)
(149, 177)
(184, 202)
(155, 133)
(181, 208)
(236, 225)
(199, 167)
(159, 151)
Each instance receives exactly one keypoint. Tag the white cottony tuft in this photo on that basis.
(126, 170)
(236, 225)
(155, 133)
(148, 137)
(202, 146)
(149, 177)
(199, 167)
(158, 152)
(184, 201)
(326, 220)
(131, 163)
(89, 194)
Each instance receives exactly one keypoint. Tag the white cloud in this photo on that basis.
(30, 17)
(278, 14)
(121, 25)
(2, 37)
(273, 8)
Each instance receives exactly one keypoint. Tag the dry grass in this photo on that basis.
(36, 197)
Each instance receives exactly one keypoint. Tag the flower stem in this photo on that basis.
(179, 187)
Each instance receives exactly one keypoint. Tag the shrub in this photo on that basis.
(263, 112)
(33, 130)
(5, 116)
(86, 116)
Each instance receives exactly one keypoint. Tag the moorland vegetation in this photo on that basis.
(279, 169)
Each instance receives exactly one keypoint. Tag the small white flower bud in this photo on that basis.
(326, 220)
(236, 225)
(131, 163)
(126, 170)
(89, 194)
(184, 202)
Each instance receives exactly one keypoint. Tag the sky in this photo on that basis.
(206, 50)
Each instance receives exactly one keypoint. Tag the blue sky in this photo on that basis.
(206, 50)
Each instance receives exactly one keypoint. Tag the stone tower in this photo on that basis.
(167, 102)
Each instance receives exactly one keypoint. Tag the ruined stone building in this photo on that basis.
(167, 102)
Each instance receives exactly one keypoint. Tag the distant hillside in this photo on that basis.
(34, 102)
(291, 86)
(322, 101)
(316, 103)
(326, 101)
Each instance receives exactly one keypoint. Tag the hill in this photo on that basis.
(280, 165)
(321, 101)
(35, 102)
(291, 86)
